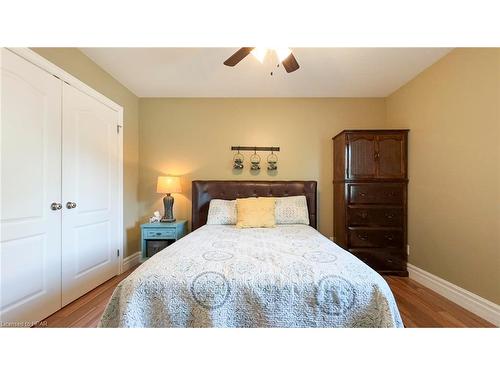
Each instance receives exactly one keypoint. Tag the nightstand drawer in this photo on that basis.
(160, 233)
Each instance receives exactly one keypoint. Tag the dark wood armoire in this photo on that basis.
(370, 178)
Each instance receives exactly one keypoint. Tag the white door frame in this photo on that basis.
(53, 69)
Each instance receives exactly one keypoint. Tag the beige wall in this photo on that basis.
(76, 63)
(192, 138)
(452, 109)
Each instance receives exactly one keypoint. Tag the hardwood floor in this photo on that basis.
(419, 307)
(86, 311)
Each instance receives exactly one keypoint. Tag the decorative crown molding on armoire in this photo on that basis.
(370, 187)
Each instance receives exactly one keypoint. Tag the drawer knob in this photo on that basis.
(363, 215)
(362, 237)
(362, 194)
(389, 216)
(389, 237)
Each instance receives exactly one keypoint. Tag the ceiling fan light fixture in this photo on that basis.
(259, 53)
(282, 53)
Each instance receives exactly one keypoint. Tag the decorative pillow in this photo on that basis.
(222, 211)
(292, 210)
(255, 212)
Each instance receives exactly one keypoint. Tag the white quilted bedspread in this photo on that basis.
(220, 276)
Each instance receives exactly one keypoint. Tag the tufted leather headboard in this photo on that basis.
(204, 191)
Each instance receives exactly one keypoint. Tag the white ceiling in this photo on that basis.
(324, 72)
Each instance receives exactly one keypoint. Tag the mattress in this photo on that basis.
(221, 276)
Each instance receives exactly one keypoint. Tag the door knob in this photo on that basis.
(70, 205)
(55, 206)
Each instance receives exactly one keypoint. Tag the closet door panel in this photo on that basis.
(30, 248)
(90, 180)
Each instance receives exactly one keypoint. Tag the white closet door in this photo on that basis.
(30, 252)
(90, 181)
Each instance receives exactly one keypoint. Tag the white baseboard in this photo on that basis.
(131, 261)
(480, 306)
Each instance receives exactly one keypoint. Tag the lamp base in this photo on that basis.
(168, 204)
(164, 220)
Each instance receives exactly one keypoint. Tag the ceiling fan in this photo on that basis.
(285, 56)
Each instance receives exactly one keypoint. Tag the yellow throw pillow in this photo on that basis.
(255, 212)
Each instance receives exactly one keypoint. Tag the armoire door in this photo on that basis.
(391, 156)
(361, 156)
(89, 193)
(30, 218)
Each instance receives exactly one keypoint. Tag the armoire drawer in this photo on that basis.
(161, 233)
(376, 193)
(379, 216)
(380, 259)
(375, 237)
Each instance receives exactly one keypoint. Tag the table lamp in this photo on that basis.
(168, 185)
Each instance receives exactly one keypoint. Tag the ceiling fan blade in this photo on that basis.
(238, 56)
(290, 64)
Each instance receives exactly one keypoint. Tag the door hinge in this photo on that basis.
(118, 129)
(117, 252)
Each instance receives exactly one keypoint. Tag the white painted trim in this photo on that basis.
(53, 69)
(480, 306)
(121, 230)
(131, 261)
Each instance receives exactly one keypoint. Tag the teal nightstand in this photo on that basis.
(157, 236)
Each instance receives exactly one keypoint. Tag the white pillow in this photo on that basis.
(292, 210)
(289, 210)
(222, 211)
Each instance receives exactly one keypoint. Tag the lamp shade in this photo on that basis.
(168, 184)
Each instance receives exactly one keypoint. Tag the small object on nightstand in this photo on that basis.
(157, 236)
(156, 218)
(168, 185)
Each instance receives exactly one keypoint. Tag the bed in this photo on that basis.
(221, 276)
